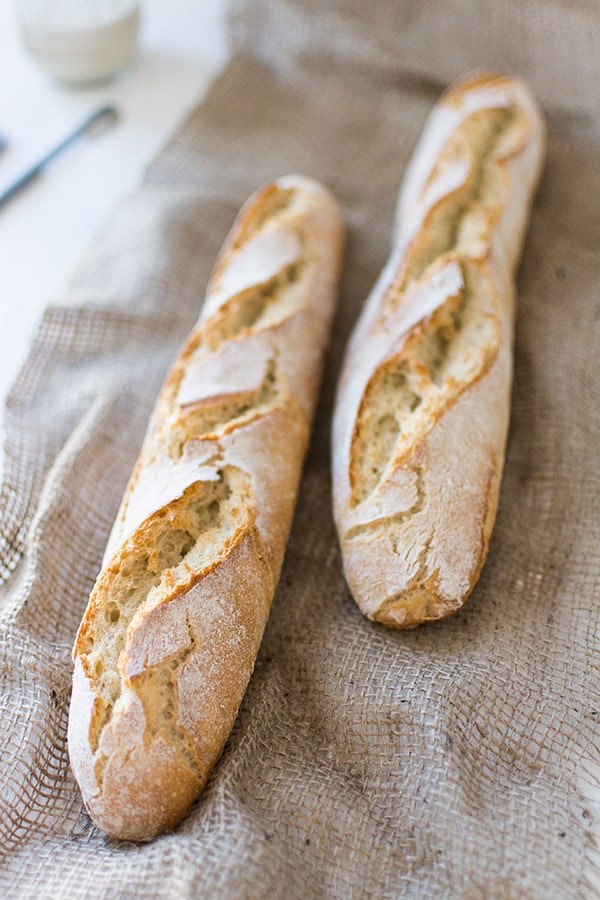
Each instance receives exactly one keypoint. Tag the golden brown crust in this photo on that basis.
(422, 407)
(479, 78)
(173, 625)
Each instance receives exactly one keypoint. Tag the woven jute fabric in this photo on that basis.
(461, 759)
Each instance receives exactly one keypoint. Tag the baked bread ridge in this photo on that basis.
(422, 406)
(174, 622)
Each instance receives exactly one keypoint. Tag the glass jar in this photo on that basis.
(80, 40)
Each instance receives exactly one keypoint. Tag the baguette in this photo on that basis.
(422, 406)
(173, 625)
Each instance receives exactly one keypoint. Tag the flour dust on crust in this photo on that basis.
(422, 407)
(173, 626)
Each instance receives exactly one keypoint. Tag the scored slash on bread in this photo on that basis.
(173, 626)
(422, 405)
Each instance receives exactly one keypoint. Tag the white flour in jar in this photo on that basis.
(81, 40)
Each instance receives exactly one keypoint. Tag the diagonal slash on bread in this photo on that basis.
(173, 626)
(423, 401)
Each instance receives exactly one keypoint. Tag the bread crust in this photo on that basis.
(422, 406)
(173, 626)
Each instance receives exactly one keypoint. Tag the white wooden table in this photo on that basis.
(45, 230)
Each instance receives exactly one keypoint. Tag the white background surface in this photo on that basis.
(45, 230)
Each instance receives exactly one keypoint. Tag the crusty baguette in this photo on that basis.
(422, 406)
(171, 633)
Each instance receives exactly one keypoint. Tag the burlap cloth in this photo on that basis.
(458, 760)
